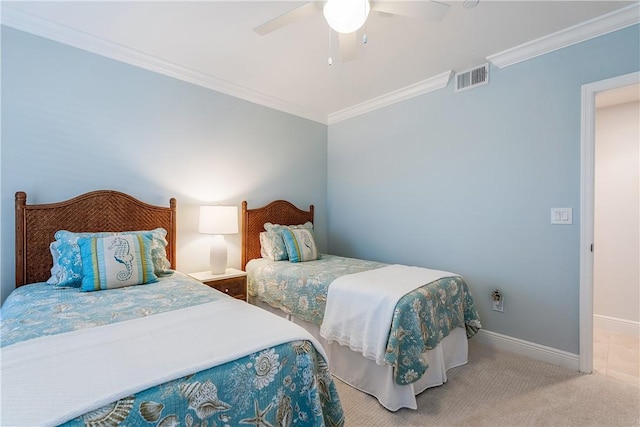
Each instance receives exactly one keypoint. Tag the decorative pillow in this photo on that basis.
(67, 263)
(278, 228)
(161, 264)
(116, 261)
(55, 256)
(271, 244)
(301, 245)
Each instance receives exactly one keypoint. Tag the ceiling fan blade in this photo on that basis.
(297, 14)
(429, 10)
(348, 44)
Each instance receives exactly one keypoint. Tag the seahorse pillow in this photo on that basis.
(67, 263)
(300, 243)
(116, 261)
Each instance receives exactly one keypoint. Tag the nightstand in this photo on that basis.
(232, 282)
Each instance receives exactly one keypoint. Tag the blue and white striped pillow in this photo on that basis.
(116, 261)
(67, 262)
(301, 244)
(271, 244)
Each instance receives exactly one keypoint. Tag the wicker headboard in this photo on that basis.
(102, 210)
(277, 212)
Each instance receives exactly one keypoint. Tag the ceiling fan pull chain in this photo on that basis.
(364, 36)
(330, 60)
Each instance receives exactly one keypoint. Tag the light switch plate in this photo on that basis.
(562, 216)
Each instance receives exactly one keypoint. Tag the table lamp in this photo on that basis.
(218, 220)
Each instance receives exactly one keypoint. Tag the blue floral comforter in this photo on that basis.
(422, 318)
(289, 384)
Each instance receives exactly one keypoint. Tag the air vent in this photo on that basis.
(474, 77)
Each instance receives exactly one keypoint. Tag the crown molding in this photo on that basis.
(429, 85)
(613, 21)
(81, 40)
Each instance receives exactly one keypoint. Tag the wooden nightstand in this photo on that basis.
(233, 282)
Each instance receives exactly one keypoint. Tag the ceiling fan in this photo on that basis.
(346, 17)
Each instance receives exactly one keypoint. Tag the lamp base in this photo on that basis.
(218, 255)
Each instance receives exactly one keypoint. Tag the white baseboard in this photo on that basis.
(529, 349)
(614, 324)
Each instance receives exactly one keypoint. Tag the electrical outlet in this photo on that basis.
(498, 305)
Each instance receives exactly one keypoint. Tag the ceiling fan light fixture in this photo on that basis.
(346, 16)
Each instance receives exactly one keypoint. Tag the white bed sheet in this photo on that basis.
(370, 302)
(52, 379)
(367, 376)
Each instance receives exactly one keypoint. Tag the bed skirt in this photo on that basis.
(377, 380)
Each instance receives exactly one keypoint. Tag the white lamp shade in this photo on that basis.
(218, 220)
(346, 16)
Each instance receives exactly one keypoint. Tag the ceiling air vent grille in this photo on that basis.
(474, 77)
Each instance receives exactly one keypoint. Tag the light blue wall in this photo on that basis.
(465, 182)
(462, 182)
(74, 122)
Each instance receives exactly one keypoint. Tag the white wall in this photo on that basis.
(74, 122)
(616, 269)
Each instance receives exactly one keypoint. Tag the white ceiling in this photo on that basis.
(214, 42)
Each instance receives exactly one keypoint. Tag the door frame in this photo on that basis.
(587, 182)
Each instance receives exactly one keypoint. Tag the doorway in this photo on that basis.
(587, 185)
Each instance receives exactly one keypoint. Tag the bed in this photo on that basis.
(170, 352)
(428, 325)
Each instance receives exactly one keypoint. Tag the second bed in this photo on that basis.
(429, 325)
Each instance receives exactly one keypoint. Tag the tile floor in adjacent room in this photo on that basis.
(616, 356)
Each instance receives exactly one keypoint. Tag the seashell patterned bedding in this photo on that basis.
(215, 360)
(429, 325)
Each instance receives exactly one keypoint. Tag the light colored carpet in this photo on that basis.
(497, 388)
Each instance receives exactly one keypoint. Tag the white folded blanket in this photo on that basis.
(360, 306)
(52, 379)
